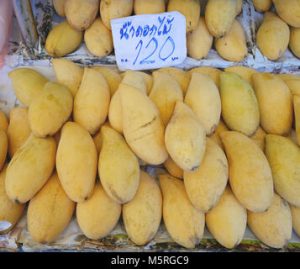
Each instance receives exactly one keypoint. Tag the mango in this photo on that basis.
(232, 46)
(18, 129)
(27, 84)
(10, 212)
(98, 215)
(185, 138)
(296, 102)
(30, 168)
(272, 37)
(49, 212)
(149, 7)
(205, 185)
(262, 5)
(294, 41)
(3, 147)
(214, 73)
(250, 175)
(275, 103)
(243, 71)
(274, 226)
(296, 219)
(98, 141)
(165, 93)
(3, 121)
(62, 40)
(204, 99)
(227, 221)
(81, 14)
(76, 162)
(259, 138)
(284, 156)
(59, 6)
(216, 135)
(142, 215)
(173, 169)
(68, 74)
(91, 102)
(292, 81)
(240, 109)
(288, 12)
(50, 110)
(118, 167)
(184, 223)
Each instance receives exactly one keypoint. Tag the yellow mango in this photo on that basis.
(227, 221)
(91, 102)
(288, 11)
(274, 226)
(296, 100)
(3, 147)
(68, 74)
(239, 6)
(142, 126)
(18, 129)
(284, 157)
(62, 40)
(188, 8)
(10, 212)
(181, 76)
(185, 138)
(272, 37)
(219, 16)
(173, 169)
(135, 79)
(142, 215)
(49, 212)
(250, 174)
(81, 14)
(98, 215)
(27, 84)
(240, 109)
(113, 9)
(275, 103)
(76, 162)
(30, 168)
(262, 5)
(165, 93)
(294, 41)
(259, 138)
(199, 41)
(243, 71)
(204, 99)
(205, 185)
(118, 167)
(292, 81)
(98, 39)
(149, 7)
(98, 141)
(216, 135)
(232, 46)
(214, 73)
(3, 121)
(184, 223)
(296, 218)
(50, 110)
(59, 6)
(112, 77)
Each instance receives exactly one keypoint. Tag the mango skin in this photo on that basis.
(30, 168)
(284, 156)
(9, 211)
(118, 167)
(214, 73)
(81, 14)
(262, 5)
(216, 135)
(3, 121)
(250, 175)
(76, 162)
(173, 169)
(274, 226)
(243, 71)
(91, 102)
(227, 221)
(296, 103)
(272, 37)
(272, 92)
(50, 110)
(259, 138)
(27, 84)
(18, 129)
(219, 16)
(149, 7)
(49, 212)
(3, 148)
(59, 6)
(184, 223)
(142, 215)
(288, 12)
(296, 219)
(185, 138)
(189, 8)
(240, 109)
(98, 209)
(205, 185)
(294, 41)
(62, 40)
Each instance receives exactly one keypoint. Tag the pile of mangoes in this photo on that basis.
(219, 23)
(82, 142)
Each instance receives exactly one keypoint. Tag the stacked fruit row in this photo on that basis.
(278, 32)
(82, 22)
(97, 121)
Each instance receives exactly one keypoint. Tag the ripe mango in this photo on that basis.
(294, 41)
(214, 73)
(3, 147)
(3, 121)
(173, 169)
(59, 6)
(296, 219)
(243, 71)
(149, 7)
(216, 135)
(289, 12)
(259, 138)
(262, 5)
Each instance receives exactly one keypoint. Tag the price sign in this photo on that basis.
(149, 41)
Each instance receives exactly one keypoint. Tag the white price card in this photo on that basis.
(149, 41)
